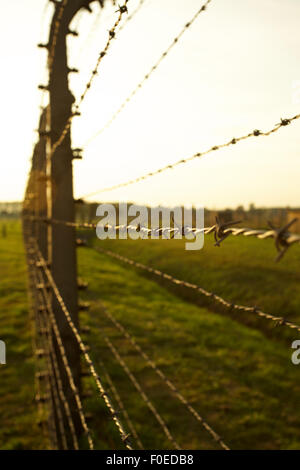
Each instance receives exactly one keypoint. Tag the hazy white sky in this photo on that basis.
(233, 71)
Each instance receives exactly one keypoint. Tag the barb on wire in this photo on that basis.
(57, 403)
(52, 432)
(280, 321)
(103, 393)
(147, 76)
(56, 372)
(47, 396)
(280, 238)
(67, 366)
(121, 406)
(219, 233)
(255, 133)
(160, 374)
(111, 35)
(129, 17)
(138, 387)
(283, 238)
(62, 395)
(45, 337)
(71, 379)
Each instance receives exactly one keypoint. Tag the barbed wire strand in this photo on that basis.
(33, 332)
(57, 403)
(52, 435)
(63, 396)
(98, 18)
(45, 332)
(159, 372)
(71, 379)
(32, 317)
(148, 75)
(111, 35)
(138, 387)
(41, 351)
(132, 15)
(280, 321)
(38, 368)
(255, 133)
(45, 335)
(282, 237)
(121, 406)
(66, 362)
(56, 372)
(103, 393)
(47, 394)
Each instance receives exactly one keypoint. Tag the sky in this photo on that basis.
(235, 70)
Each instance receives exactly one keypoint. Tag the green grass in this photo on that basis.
(242, 270)
(18, 413)
(239, 380)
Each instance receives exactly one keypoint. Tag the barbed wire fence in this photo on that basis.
(49, 230)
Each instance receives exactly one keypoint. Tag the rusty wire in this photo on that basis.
(152, 69)
(111, 35)
(38, 390)
(48, 396)
(282, 237)
(62, 395)
(66, 362)
(57, 403)
(121, 406)
(132, 15)
(142, 393)
(56, 371)
(162, 376)
(43, 328)
(233, 141)
(71, 379)
(103, 393)
(279, 321)
(45, 334)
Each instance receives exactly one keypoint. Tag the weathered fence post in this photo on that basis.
(60, 201)
(40, 235)
(49, 195)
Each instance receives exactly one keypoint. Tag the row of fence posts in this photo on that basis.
(49, 193)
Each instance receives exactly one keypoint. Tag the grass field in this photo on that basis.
(238, 376)
(242, 269)
(18, 412)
